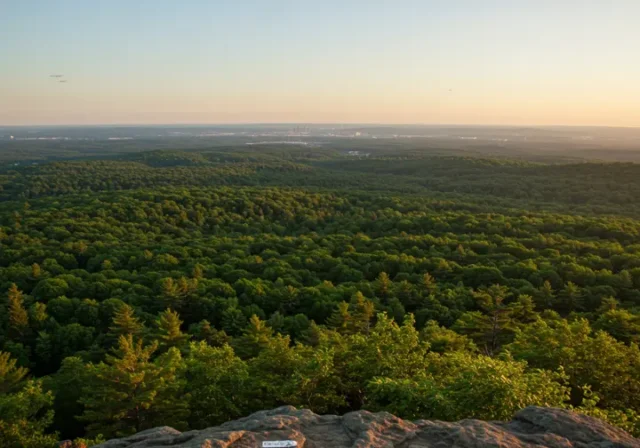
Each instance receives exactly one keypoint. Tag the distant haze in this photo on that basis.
(197, 61)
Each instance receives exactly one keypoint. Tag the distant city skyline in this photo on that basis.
(458, 62)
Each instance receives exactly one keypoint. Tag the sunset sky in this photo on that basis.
(574, 62)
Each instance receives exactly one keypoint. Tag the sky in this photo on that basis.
(519, 62)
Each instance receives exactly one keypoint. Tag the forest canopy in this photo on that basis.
(187, 288)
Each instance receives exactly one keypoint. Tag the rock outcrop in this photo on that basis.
(531, 427)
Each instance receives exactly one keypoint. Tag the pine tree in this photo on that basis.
(288, 299)
(608, 304)
(36, 272)
(169, 288)
(169, 332)
(254, 339)
(313, 335)
(524, 309)
(363, 311)
(129, 393)
(183, 286)
(383, 285)
(23, 404)
(10, 375)
(18, 317)
(569, 299)
(340, 319)
(489, 329)
(546, 296)
(197, 272)
(429, 283)
(125, 322)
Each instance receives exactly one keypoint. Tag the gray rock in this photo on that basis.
(533, 427)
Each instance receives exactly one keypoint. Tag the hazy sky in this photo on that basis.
(229, 61)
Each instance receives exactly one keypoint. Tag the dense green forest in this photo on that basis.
(190, 287)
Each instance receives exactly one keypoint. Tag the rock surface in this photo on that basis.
(531, 427)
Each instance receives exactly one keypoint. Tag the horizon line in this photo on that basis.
(317, 123)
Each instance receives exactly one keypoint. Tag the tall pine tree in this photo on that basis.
(23, 404)
(489, 328)
(125, 322)
(340, 319)
(254, 339)
(363, 311)
(129, 393)
(18, 317)
(169, 332)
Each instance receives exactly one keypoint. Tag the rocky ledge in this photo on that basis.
(531, 427)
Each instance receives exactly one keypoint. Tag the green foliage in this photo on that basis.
(23, 408)
(621, 324)
(18, 318)
(444, 340)
(129, 392)
(169, 332)
(490, 328)
(459, 385)
(67, 385)
(254, 339)
(297, 272)
(628, 419)
(609, 367)
(125, 322)
(216, 385)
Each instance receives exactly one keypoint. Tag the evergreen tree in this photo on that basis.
(608, 304)
(182, 287)
(129, 393)
(10, 375)
(405, 294)
(489, 329)
(38, 315)
(383, 285)
(125, 322)
(254, 339)
(546, 296)
(197, 272)
(363, 311)
(36, 272)
(169, 332)
(18, 317)
(313, 336)
(288, 299)
(169, 292)
(429, 283)
(569, 299)
(23, 409)
(524, 309)
(340, 319)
